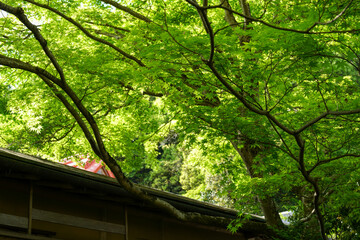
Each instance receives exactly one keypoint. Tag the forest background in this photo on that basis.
(252, 105)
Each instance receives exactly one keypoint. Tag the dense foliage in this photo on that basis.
(250, 104)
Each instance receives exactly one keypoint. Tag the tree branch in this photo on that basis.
(323, 115)
(73, 112)
(283, 141)
(339, 57)
(308, 31)
(19, 13)
(312, 181)
(56, 139)
(49, 79)
(204, 18)
(249, 106)
(87, 33)
(299, 140)
(332, 159)
(127, 10)
(108, 25)
(333, 20)
(15, 63)
(308, 217)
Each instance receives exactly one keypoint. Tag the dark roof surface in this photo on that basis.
(33, 167)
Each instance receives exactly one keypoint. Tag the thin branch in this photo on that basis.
(87, 33)
(113, 35)
(265, 9)
(322, 95)
(161, 127)
(315, 146)
(283, 141)
(129, 87)
(308, 217)
(349, 120)
(73, 112)
(333, 20)
(127, 10)
(19, 13)
(108, 25)
(56, 139)
(210, 124)
(312, 122)
(347, 46)
(288, 90)
(312, 181)
(321, 14)
(49, 80)
(339, 57)
(230, 25)
(15, 63)
(274, 26)
(332, 159)
(325, 114)
(207, 25)
(177, 42)
(242, 99)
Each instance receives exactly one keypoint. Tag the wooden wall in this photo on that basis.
(31, 208)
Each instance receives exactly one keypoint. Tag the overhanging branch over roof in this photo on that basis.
(37, 168)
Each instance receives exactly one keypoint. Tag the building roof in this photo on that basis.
(90, 165)
(34, 168)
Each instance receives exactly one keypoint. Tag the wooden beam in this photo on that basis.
(13, 221)
(103, 235)
(80, 222)
(126, 224)
(17, 235)
(30, 207)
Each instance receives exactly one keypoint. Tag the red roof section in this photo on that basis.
(91, 166)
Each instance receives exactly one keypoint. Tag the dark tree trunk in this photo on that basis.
(267, 204)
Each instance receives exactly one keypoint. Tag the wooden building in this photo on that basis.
(44, 200)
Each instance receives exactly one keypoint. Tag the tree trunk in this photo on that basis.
(247, 153)
(267, 204)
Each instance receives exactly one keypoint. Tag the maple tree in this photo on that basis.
(276, 83)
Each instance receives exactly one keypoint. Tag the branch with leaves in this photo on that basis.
(273, 120)
(259, 20)
(87, 33)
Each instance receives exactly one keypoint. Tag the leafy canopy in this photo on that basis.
(263, 104)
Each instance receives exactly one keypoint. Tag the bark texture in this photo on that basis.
(267, 204)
